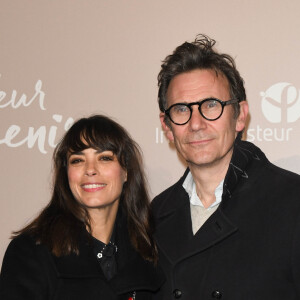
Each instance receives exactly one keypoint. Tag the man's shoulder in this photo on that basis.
(266, 167)
(282, 176)
(170, 197)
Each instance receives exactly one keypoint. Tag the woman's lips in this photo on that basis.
(93, 187)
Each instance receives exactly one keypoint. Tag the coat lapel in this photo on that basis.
(216, 229)
(174, 230)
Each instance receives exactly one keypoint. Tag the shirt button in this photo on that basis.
(177, 293)
(216, 295)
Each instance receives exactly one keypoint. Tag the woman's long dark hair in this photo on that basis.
(59, 224)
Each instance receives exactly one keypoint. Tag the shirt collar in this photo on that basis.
(190, 187)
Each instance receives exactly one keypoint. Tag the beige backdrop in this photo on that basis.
(64, 59)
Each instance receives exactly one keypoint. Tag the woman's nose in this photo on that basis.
(91, 169)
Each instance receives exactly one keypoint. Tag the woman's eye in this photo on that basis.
(75, 161)
(106, 158)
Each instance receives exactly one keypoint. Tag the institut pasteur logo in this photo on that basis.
(280, 105)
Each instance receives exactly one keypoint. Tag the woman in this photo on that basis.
(94, 239)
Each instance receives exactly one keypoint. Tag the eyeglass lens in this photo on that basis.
(211, 109)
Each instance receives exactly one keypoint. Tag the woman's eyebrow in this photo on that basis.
(76, 153)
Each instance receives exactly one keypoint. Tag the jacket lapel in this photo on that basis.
(174, 230)
(216, 229)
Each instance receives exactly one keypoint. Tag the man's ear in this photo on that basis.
(241, 119)
(166, 127)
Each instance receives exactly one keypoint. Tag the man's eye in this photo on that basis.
(180, 109)
(211, 104)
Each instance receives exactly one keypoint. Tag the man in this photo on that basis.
(230, 227)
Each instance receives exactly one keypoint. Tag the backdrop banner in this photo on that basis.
(61, 60)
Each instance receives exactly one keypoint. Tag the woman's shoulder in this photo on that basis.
(26, 269)
(24, 241)
(24, 246)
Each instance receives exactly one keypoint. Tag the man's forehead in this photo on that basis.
(198, 83)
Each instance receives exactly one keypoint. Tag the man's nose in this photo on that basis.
(197, 122)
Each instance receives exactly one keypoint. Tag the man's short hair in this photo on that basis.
(200, 54)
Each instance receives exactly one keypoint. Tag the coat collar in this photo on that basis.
(244, 154)
(134, 273)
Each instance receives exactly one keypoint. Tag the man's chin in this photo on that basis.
(203, 160)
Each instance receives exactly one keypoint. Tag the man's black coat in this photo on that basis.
(248, 249)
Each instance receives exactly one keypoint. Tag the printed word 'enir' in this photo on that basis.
(35, 136)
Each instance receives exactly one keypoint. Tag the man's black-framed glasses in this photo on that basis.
(210, 109)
